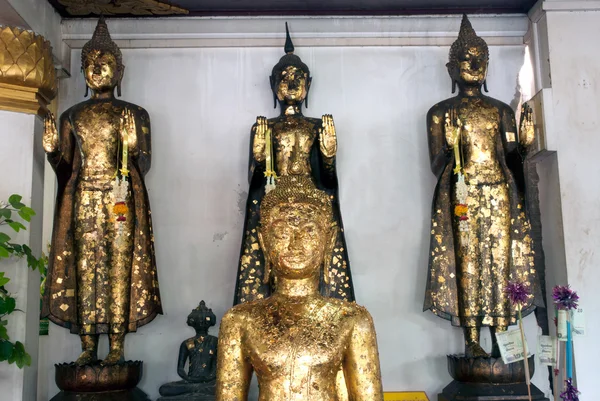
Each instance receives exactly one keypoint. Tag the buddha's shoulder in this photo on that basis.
(244, 311)
(440, 108)
(346, 309)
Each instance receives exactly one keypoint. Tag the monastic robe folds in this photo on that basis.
(60, 301)
(442, 294)
(250, 284)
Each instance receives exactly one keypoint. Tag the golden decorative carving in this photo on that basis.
(112, 7)
(27, 75)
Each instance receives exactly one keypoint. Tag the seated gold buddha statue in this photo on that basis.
(300, 344)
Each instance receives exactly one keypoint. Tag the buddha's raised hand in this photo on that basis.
(128, 128)
(526, 129)
(327, 136)
(259, 143)
(50, 137)
(451, 125)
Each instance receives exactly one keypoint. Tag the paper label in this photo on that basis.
(405, 396)
(546, 350)
(511, 347)
(578, 321)
(561, 329)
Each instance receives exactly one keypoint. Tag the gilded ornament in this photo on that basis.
(27, 76)
(116, 7)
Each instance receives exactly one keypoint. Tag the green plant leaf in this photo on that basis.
(28, 210)
(4, 238)
(5, 213)
(15, 225)
(6, 350)
(7, 305)
(4, 252)
(15, 201)
(24, 216)
(19, 356)
(3, 333)
(3, 280)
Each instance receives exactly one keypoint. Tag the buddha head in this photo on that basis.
(297, 231)
(102, 61)
(469, 57)
(201, 318)
(290, 78)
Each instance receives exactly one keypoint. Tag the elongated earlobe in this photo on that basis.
(453, 86)
(485, 88)
(267, 275)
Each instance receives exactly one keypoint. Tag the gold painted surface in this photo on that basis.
(116, 7)
(469, 268)
(27, 76)
(297, 341)
(102, 271)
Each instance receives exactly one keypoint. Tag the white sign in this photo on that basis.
(546, 350)
(578, 321)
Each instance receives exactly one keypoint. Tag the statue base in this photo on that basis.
(128, 395)
(459, 391)
(488, 379)
(99, 383)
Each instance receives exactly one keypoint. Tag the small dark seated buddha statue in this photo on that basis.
(201, 352)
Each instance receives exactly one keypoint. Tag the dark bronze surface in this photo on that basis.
(102, 276)
(71, 377)
(200, 352)
(457, 391)
(291, 145)
(335, 7)
(128, 395)
(480, 229)
(487, 370)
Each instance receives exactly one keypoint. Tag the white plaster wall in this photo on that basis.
(574, 60)
(21, 174)
(202, 103)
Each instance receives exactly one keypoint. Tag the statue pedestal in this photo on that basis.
(99, 383)
(488, 379)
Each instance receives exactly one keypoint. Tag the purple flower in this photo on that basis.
(564, 297)
(517, 292)
(570, 393)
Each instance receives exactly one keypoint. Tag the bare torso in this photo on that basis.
(297, 350)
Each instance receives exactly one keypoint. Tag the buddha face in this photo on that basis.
(295, 240)
(292, 87)
(101, 71)
(472, 66)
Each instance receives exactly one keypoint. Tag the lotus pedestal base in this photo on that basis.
(99, 383)
(488, 379)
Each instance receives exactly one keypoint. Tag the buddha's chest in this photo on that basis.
(481, 123)
(96, 128)
(293, 135)
(277, 345)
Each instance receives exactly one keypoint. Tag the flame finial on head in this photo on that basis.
(290, 59)
(289, 46)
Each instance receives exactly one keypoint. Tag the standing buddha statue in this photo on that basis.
(301, 344)
(480, 231)
(102, 273)
(291, 144)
